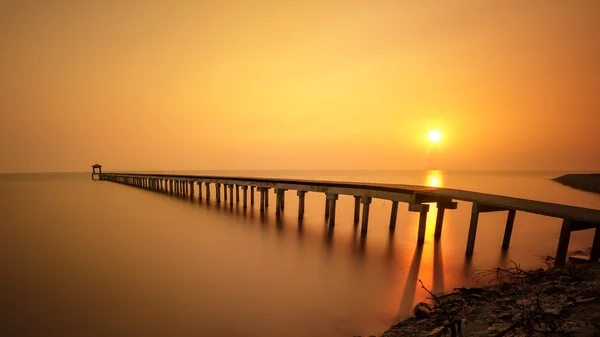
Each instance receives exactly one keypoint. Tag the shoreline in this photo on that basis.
(589, 182)
(561, 301)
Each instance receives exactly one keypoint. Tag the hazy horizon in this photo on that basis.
(318, 170)
(258, 85)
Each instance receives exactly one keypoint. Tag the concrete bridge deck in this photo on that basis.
(418, 199)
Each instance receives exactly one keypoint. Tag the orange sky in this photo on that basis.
(299, 84)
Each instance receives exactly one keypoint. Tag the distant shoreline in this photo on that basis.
(586, 182)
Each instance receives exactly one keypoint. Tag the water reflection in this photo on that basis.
(406, 303)
(434, 273)
(438, 268)
(434, 178)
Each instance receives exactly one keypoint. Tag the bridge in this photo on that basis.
(418, 199)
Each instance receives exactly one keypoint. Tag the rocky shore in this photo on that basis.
(553, 302)
(585, 182)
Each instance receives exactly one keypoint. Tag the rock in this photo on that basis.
(505, 316)
(436, 332)
(497, 328)
(524, 302)
(554, 310)
(422, 310)
(469, 291)
(553, 289)
(585, 300)
(449, 298)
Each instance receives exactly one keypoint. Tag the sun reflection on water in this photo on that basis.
(434, 178)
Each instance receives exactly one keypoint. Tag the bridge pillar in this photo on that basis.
(394, 215)
(261, 190)
(245, 196)
(199, 190)
(237, 194)
(332, 197)
(356, 209)
(326, 207)
(473, 229)
(230, 195)
(266, 197)
(225, 192)
(595, 253)
(423, 209)
(510, 220)
(218, 192)
(439, 221)
(192, 190)
(207, 184)
(366, 201)
(301, 195)
(280, 193)
(251, 195)
(563, 242)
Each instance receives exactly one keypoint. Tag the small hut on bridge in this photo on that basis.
(98, 168)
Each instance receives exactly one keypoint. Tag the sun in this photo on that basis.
(435, 136)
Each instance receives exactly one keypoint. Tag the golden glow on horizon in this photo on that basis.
(435, 136)
(434, 179)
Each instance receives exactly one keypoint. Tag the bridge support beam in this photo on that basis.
(218, 192)
(280, 193)
(569, 226)
(356, 209)
(423, 209)
(332, 197)
(266, 197)
(261, 190)
(199, 190)
(595, 254)
(366, 201)
(482, 208)
(301, 195)
(245, 196)
(472, 229)
(251, 195)
(192, 190)
(207, 184)
(230, 195)
(442, 206)
(237, 194)
(510, 220)
(326, 207)
(224, 192)
(393, 215)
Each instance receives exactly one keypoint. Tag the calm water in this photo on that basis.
(84, 258)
